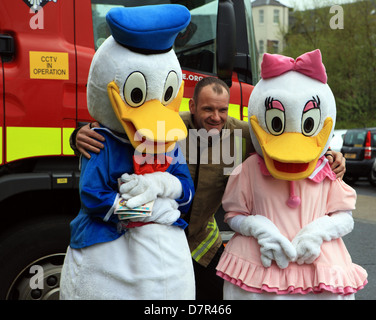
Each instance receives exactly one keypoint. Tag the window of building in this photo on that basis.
(276, 16)
(261, 46)
(273, 46)
(261, 16)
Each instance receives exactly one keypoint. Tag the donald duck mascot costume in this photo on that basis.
(284, 202)
(134, 91)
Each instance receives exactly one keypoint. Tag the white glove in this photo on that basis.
(309, 239)
(273, 245)
(140, 189)
(164, 212)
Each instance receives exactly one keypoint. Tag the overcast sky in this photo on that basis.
(309, 4)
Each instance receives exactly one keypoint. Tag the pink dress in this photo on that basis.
(255, 191)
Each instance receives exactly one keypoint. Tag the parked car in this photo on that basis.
(373, 171)
(359, 149)
(337, 139)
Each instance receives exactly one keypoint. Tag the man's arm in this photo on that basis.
(337, 162)
(84, 139)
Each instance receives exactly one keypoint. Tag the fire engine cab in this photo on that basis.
(46, 47)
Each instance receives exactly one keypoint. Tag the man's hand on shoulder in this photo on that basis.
(89, 140)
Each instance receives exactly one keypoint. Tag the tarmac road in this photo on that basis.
(361, 242)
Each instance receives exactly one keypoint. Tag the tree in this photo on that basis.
(348, 55)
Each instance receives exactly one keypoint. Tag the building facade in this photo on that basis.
(271, 22)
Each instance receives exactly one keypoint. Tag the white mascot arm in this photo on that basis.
(309, 239)
(140, 189)
(273, 245)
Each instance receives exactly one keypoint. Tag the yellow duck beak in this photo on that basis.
(291, 155)
(152, 127)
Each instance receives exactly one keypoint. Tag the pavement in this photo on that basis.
(365, 208)
(361, 242)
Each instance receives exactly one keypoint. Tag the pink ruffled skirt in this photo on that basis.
(333, 271)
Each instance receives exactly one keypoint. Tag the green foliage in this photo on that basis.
(349, 55)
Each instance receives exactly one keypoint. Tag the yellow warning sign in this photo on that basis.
(49, 65)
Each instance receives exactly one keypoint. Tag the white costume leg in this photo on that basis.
(148, 262)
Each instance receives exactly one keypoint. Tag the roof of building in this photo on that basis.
(259, 3)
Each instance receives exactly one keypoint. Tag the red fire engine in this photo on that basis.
(46, 49)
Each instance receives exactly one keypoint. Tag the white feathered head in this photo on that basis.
(135, 80)
(292, 114)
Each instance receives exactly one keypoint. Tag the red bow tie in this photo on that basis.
(309, 64)
(149, 163)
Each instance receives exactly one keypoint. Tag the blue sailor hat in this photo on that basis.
(148, 29)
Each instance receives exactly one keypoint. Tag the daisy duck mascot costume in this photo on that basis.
(284, 202)
(134, 91)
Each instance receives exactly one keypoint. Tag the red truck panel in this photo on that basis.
(39, 102)
(85, 52)
(1, 114)
(46, 80)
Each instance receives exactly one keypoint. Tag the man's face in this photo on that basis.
(211, 109)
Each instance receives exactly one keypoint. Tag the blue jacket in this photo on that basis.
(95, 222)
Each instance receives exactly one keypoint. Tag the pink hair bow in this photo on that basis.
(309, 64)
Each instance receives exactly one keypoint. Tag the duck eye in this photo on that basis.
(310, 122)
(171, 88)
(275, 121)
(135, 89)
(310, 119)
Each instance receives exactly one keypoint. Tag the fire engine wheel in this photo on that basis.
(27, 286)
(32, 257)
